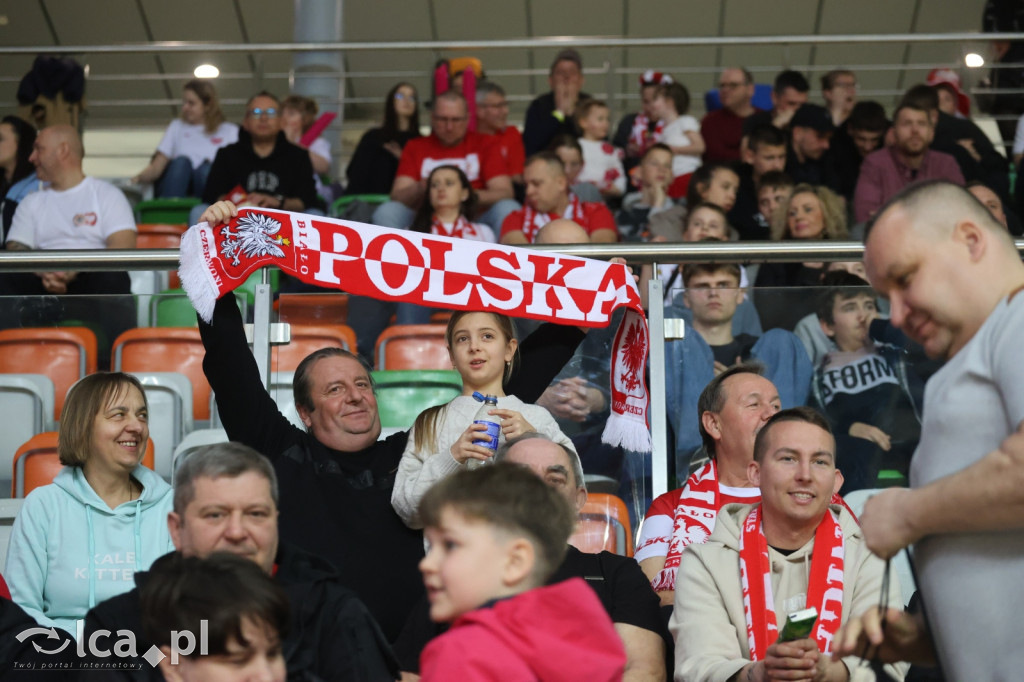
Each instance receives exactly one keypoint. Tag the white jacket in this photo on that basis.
(708, 622)
(418, 470)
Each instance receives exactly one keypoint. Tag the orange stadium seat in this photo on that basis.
(157, 236)
(36, 463)
(603, 525)
(65, 354)
(166, 349)
(412, 346)
(307, 338)
(313, 308)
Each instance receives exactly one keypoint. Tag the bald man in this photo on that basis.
(548, 198)
(953, 279)
(75, 212)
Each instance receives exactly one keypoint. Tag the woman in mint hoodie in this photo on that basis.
(80, 540)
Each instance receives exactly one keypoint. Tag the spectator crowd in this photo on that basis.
(332, 551)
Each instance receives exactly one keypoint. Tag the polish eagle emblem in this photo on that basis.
(633, 352)
(254, 236)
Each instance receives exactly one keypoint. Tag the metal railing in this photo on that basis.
(608, 70)
(704, 252)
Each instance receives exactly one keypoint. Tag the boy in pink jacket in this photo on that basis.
(496, 534)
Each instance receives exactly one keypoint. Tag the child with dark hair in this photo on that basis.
(496, 535)
(867, 390)
(680, 132)
(240, 609)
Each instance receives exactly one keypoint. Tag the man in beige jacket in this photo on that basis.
(796, 550)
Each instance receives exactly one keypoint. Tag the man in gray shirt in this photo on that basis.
(953, 279)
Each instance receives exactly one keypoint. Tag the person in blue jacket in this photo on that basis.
(80, 540)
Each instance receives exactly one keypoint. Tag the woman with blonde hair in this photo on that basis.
(809, 213)
(80, 540)
(181, 164)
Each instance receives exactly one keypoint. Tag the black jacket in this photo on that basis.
(338, 504)
(331, 634)
(540, 125)
(287, 171)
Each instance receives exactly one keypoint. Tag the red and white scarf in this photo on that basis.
(533, 220)
(461, 229)
(441, 272)
(824, 589)
(692, 523)
(642, 136)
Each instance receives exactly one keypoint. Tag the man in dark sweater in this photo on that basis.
(270, 170)
(552, 113)
(336, 477)
(225, 500)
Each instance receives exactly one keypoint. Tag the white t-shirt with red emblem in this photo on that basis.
(602, 166)
(82, 217)
(194, 143)
(477, 155)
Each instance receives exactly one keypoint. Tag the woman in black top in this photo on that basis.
(375, 162)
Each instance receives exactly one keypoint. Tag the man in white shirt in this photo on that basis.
(75, 212)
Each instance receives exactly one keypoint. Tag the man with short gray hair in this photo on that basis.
(225, 500)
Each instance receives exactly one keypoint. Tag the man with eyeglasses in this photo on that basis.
(722, 129)
(492, 119)
(268, 169)
(798, 549)
(450, 143)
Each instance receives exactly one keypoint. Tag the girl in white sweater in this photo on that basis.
(482, 347)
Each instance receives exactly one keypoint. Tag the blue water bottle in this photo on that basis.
(489, 438)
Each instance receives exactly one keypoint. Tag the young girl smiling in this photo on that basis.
(482, 347)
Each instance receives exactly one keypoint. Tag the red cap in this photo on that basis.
(952, 79)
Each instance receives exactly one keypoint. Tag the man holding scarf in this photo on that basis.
(795, 550)
(336, 477)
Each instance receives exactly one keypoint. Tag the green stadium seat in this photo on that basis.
(170, 211)
(339, 205)
(402, 394)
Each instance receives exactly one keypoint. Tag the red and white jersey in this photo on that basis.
(476, 156)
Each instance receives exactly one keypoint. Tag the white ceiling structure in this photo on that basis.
(139, 91)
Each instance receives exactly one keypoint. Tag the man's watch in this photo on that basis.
(280, 200)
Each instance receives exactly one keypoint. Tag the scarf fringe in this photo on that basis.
(195, 279)
(627, 433)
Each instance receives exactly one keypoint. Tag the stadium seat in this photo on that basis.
(193, 441)
(65, 354)
(341, 203)
(171, 308)
(171, 211)
(36, 463)
(26, 403)
(284, 397)
(169, 396)
(308, 338)
(403, 394)
(312, 308)
(8, 512)
(901, 561)
(167, 349)
(412, 346)
(762, 98)
(603, 525)
(247, 289)
(161, 229)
